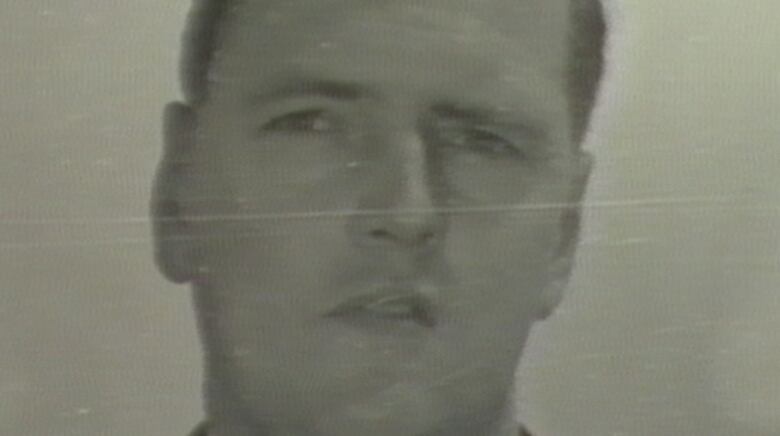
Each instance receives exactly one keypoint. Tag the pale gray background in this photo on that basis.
(671, 325)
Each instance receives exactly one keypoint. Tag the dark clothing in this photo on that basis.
(202, 429)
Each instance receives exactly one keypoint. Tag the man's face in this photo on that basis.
(413, 151)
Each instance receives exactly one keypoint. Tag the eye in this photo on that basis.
(307, 120)
(482, 141)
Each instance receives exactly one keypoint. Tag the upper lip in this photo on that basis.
(389, 302)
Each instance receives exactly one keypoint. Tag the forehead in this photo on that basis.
(530, 18)
(402, 40)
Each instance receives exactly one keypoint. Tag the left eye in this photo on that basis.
(483, 141)
(308, 120)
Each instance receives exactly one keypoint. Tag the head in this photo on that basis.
(329, 152)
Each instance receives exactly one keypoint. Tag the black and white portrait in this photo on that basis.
(389, 218)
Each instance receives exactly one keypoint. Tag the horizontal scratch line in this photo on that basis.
(690, 201)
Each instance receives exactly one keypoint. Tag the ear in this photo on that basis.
(563, 262)
(174, 250)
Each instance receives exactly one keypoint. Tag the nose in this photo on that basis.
(398, 207)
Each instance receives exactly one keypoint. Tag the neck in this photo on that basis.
(227, 424)
(507, 428)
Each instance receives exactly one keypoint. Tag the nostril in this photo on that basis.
(409, 237)
(426, 236)
(380, 233)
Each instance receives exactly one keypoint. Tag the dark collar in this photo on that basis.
(202, 430)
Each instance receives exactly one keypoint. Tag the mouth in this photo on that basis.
(387, 305)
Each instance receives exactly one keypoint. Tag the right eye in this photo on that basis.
(307, 120)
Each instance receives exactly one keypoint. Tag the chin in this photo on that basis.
(453, 401)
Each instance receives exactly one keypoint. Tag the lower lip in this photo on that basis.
(380, 324)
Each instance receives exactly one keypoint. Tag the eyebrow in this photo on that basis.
(483, 115)
(330, 89)
(463, 113)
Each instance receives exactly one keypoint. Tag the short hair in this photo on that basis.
(585, 63)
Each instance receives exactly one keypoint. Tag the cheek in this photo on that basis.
(280, 257)
(503, 253)
(492, 184)
(504, 262)
(307, 176)
(501, 239)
